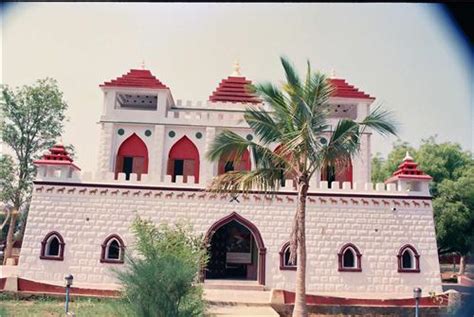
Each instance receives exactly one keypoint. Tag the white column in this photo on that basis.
(157, 155)
(208, 168)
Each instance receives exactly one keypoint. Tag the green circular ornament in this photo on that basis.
(121, 131)
(249, 137)
(147, 132)
(198, 135)
(171, 134)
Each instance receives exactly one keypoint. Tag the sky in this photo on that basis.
(406, 55)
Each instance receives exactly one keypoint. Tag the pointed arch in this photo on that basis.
(52, 247)
(112, 249)
(255, 233)
(132, 157)
(229, 163)
(408, 259)
(183, 159)
(349, 259)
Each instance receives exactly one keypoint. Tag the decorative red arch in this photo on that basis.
(262, 251)
(244, 162)
(133, 147)
(416, 259)
(343, 172)
(184, 149)
(103, 258)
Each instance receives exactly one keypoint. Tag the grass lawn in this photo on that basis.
(48, 307)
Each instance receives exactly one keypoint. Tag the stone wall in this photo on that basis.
(85, 214)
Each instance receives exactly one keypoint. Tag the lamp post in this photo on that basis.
(417, 296)
(68, 279)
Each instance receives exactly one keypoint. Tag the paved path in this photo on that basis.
(233, 303)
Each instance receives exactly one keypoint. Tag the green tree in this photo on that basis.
(161, 280)
(379, 172)
(33, 119)
(297, 121)
(454, 214)
(442, 161)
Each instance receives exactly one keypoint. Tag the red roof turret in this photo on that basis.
(58, 156)
(234, 89)
(137, 78)
(408, 169)
(344, 90)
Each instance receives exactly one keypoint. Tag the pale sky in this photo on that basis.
(406, 55)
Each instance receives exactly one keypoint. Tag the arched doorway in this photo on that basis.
(183, 159)
(236, 250)
(132, 157)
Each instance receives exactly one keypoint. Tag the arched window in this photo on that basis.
(183, 159)
(132, 157)
(113, 250)
(52, 247)
(285, 258)
(284, 176)
(408, 259)
(349, 259)
(229, 163)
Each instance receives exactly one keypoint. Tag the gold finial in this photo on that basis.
(236, 71)
(408, 157)
(143, 64)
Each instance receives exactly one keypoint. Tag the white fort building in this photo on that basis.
(364, 240)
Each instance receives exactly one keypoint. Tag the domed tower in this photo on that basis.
(134, 105)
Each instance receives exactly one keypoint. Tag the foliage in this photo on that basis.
(454, 213)
(33, 119)
(297, 121)
(442, 161)
(161, 280)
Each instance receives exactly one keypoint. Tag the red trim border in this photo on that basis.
(416, 256)
(103, 246)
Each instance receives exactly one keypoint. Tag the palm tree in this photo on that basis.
(297, 121)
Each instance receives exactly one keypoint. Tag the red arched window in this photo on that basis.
(52, 247)
(132, 157)
(183, 159)
(283, 177)
(229, 163)
(408, 259)
(349, 259)
(341, 172)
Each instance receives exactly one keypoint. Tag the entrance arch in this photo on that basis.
(234, 221)
(132, 157)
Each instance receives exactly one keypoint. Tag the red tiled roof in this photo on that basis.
(58, 156)
(344, 90)
(233, 89)
(141, 78)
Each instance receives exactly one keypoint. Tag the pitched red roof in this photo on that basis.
(344, 90)
(141, 78)
(58, 156)
(408, 169)
(234, 89)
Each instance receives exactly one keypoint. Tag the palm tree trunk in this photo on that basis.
(462, 265)
(300, 309)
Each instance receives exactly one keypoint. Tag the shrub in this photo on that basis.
(161, 279)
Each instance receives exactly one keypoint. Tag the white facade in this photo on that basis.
(86, 208)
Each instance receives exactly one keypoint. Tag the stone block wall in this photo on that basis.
(85, 214)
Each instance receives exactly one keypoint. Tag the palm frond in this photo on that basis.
(381, 121)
